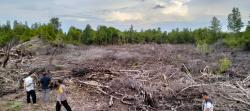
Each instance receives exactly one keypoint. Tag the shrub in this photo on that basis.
(224, 64)
(203, 47)
(235, 40)
(247, 39)
(247, 46)
(58, 41)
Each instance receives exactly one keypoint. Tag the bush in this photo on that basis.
(224, 64)
(247, 46)
(247, 39)
(235, 40)
(203, 48)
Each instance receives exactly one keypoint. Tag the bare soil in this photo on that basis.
(146, 77)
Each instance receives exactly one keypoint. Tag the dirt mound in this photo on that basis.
(35, 46)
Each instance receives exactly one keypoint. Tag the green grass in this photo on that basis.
(14, 106)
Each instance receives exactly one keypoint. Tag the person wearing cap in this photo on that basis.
(207, 104)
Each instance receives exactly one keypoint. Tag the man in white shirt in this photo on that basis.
(29, 87)
(207, 104)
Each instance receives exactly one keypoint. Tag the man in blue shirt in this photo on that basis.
(45, 82)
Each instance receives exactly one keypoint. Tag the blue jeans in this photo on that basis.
(45, 95)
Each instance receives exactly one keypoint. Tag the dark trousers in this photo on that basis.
(31, 93)
(64, 103)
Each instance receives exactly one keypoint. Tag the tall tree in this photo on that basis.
(215, 25)
(249, 21)
(74, 34)
(113, 35)
(102, 35)
(87, 35)
(56, 23)
(234, 20)
(131, 34)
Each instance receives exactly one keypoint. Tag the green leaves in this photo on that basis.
(224, 64)
(74, 35)
(104, 35)
(234, 21)
(55, 23)
(88, 35)
(215, 25)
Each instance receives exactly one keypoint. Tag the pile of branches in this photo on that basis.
(10, 81)
(12, 67)
(179, 91)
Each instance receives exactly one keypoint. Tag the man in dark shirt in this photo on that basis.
(45, 82)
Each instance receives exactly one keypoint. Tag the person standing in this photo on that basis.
(61, 97)
(29, 87)
(207, 104)
(45, 82)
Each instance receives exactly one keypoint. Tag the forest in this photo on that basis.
(235, 37)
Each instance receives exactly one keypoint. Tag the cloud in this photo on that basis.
(158, 6)
(124, 16)
(176, 8)
(121, 13)
(79, 19)
(150, 12)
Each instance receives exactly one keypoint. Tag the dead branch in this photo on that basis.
(111, 102)
(188, 73)
(246, 79)
(235, 99)
(126, 98)
(242, 89)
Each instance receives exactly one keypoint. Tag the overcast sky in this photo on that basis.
(143, 14)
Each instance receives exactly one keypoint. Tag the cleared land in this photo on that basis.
(131, 77)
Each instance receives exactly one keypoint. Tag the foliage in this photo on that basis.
(204, 35)
(234, 20)
(203, 48)
(104, 35)
(55, 23)
(74, 35)
(224, 64)
(87, 36)
(58, 40)
(246, 38)
(215, 25)
(237, 39)
(183, 36)
(14, 106)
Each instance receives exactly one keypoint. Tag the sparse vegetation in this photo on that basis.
(224, 64)
(203, 48)
(14, 106)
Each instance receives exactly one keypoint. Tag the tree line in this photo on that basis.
(104, 35)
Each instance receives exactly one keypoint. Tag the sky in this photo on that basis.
(142, 14)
